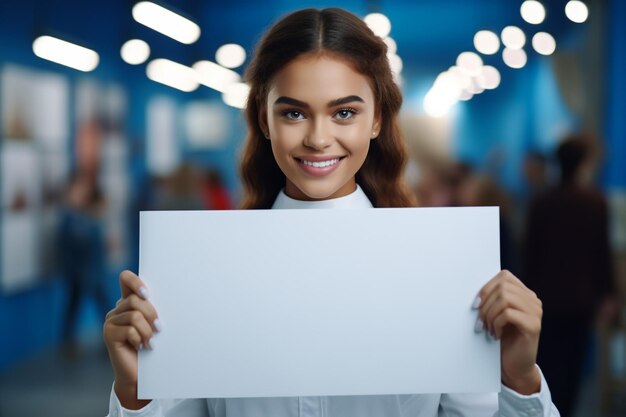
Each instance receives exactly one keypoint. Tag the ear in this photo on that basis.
(262, 118)
(376, 126)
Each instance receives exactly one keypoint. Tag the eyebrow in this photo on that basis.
(332, 103)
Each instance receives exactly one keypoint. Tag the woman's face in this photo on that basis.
(320, 116)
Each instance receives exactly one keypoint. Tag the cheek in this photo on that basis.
(284, 141)
(286, 138)
(288, 132)
(356, 138)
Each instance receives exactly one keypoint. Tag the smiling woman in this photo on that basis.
(321, 89)
(323, 133)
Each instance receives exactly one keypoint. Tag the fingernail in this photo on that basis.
(140, 346)
(150, 344)
(143, 292)
(478, 327)
(476, 302)
(157, 325)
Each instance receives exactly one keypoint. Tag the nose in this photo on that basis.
(318, 137)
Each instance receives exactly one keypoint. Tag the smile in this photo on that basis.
(320, 164)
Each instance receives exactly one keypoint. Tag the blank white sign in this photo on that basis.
(269, 303)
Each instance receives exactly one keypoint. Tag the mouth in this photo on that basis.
(319, 165)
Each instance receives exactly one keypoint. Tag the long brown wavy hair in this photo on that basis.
(342, 34)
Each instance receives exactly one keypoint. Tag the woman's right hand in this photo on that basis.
(128, 328)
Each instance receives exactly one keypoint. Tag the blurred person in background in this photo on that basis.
(214, 193)
(82, 249)
(567, 261)
(182, 190)
(440, 184)
(456, 175)
(535, 174)
(535, 170)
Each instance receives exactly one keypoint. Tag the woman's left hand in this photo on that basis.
(512, 314)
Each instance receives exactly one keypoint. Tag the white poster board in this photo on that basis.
(270, 303)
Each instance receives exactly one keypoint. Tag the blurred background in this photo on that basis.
(110, 107)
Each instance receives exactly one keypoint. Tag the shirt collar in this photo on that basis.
(355, 200)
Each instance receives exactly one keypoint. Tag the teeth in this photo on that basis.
(320, 164)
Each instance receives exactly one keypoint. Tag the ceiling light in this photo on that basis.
(395, 62)
(449, 84)
(486, 42)
(437, 104)
(491, 77)
(544, 43)
(477, 85)
(215, 76)
(513, 37)
(576, 11)
(135, 51)
(514, 58)
(379, 23)
(230, 55)
(166, 22)
(172, 74)
(464, 79)
(65, 53)
(469, 62)
(236, 95)
(533, 12)
(392, 47)
(465, 95)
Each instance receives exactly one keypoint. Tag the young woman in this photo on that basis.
(323, 133)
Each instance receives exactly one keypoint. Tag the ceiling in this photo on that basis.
(429, 33)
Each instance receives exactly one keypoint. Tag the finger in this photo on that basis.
(512, 301)
(525, 323)
(138, 321)
(490, 295)
(130, 283)
(505, 299)
(505, 289)
(134, 302)
(122, 334)
(114, 310)
(531, 294)
(109, 314)
(487, 289)
(502, 276)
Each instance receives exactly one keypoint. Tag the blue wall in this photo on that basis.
(615, 126)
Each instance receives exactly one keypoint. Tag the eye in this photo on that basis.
(293, 115)
(345, 114)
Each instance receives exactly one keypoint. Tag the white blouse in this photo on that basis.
(505, 403)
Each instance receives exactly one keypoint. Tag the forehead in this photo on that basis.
(320, 78)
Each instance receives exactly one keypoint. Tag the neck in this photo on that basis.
(292, 191)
